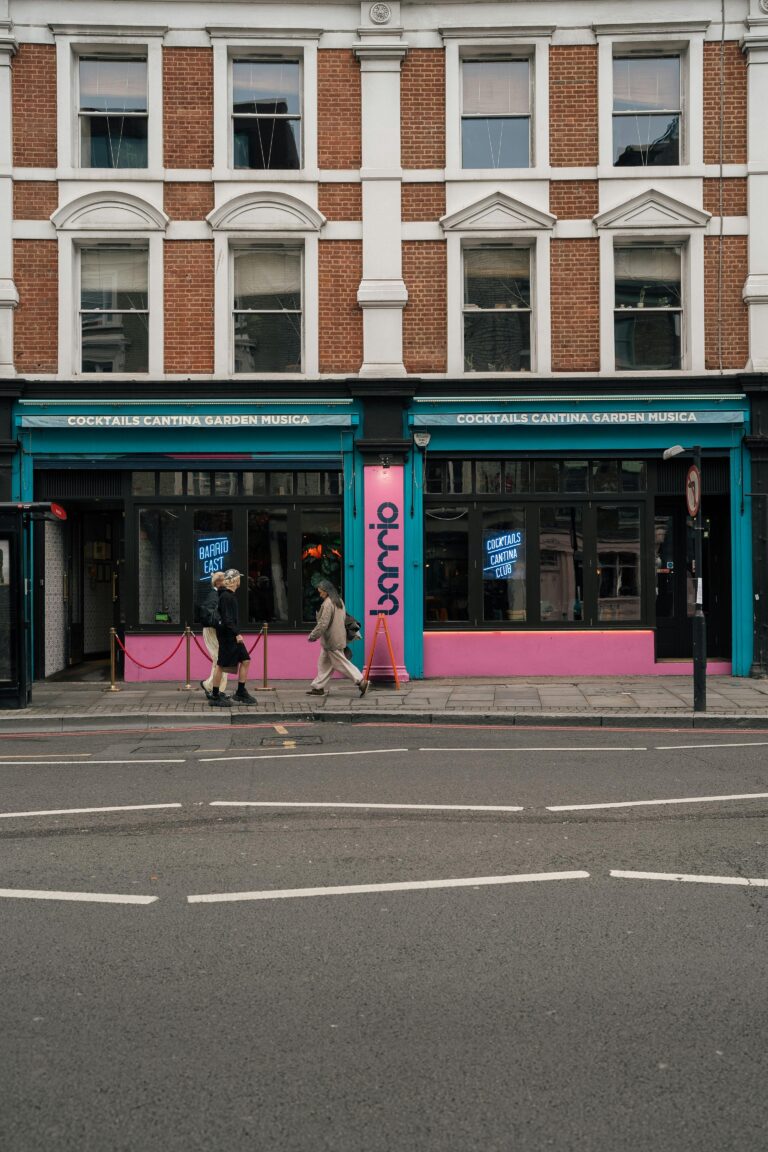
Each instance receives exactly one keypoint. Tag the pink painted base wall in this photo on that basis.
(507, 654)
(290, 658)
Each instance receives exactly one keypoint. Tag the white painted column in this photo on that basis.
(756, 287)
(382, 294)
(9, 297)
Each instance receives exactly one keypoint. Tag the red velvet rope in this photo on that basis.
(205, 651)
(149, 667)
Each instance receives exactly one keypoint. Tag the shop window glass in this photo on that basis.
(646, 111)
(213, 549)
(114, 310)
(266, 114)
(561, 549)
(618, 563)
(446, 564)
(267, 309)
(504, 564)
(225, 483)
(199, 483)
(496, 114)
(633, 476)
(321, 555)
(267, 565)
(435, 476)
(575, 475)
(113, 112)
(517, 476)
(497, 310)
(170, 483)
(488, 476)
(664, 564)
(143, 483)
(458, 476)
(8, 618)
(308, 483)
(281, 483)
(159, 566)
(254, 483)
(605, 476)
(648, 308)
(546, 476)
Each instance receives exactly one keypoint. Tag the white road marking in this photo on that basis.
(570, 748)
(396, 807)
(80, 811)
(676, 747)
(683, 878)
(406, 886)
(88, 897)
(302, 755)
(82, 764)
(41, 756)
(644, 803)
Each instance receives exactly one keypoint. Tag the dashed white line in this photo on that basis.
(81, 811)
(406, 886)
(650, 803)
(393, 807)
(684, 878)
(86, 764)
(570, 748)
(681, 747)
(87, 897)
(301, 755)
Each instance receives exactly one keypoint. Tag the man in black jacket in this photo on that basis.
(233, 654)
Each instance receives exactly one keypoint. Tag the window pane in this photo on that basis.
(199, 483)
(517, 476)
(159, 566)
(112, 85)
(308, 483)
(143, 483)
(113, 141)
(254, 483)
(281, 483)
(115, 341)
(646, 84)
(618, 563)
(642, 141)
(171, 483)
(267, 279)
(446, 565)
(458, 476)
(575, 475)
(266, 143)
(269, 88)
(497, 278)
(435, 476)
(501, 142)
(561, 545)
(605, 476)
(321, 555)
(114, 279)
(664, 564)
(212, 549)
(488, 476)
(268, 342)
(8, 617)
(651, 341)
(267, 565)
(495, 87)
(633, 476)
(647, 277)
(225, 483)
(497, 342)
(504, 564)
(546, 476)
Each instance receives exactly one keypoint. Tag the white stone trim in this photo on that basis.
(498, 212)
(109, 210)
(269, 211)
(652, 210)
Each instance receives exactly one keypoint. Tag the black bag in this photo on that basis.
(207, 612)
(352, 627)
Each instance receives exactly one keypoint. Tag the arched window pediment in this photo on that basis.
(265, 212)
(109, 211)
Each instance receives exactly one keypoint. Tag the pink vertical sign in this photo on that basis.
(385, 567)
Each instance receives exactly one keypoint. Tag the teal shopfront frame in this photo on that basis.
(595, 425)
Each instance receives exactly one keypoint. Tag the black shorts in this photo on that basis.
(231, 653)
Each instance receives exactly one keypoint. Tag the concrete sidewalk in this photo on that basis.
(644, 700)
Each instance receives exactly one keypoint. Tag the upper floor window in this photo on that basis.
(648, 307)
(497, 309)
(267, 309)
(266, 114)
(496, 113)
(114, 309)
(647, 111)
(113, 111)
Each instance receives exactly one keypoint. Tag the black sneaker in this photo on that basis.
(316, 692)
(243, 696)
(207, 693)
(220, 702)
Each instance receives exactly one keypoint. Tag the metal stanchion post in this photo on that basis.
(265, 677)
(188, 642)
(112, 663)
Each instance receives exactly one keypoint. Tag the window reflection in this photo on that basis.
(561, 544)
(159, 566)
(446, 564)
(504, 564)
(267, 565)
(618, 563)
(321, 555)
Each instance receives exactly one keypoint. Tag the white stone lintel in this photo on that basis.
(756, 289)
(9, 296)
(382, 294)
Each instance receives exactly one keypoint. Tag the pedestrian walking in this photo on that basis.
(233, 654)
(331, 631)
(208, 613)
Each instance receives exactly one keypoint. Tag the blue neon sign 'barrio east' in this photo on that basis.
(212, 552)
(502, 551)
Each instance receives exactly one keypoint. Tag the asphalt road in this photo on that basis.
(595, 981)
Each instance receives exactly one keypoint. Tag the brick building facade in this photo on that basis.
(427, 215)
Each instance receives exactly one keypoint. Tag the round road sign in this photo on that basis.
(693, 490)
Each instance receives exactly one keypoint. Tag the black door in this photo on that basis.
(73, 590)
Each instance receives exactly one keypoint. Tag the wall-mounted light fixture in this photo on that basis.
(385, 461)
(422, 439)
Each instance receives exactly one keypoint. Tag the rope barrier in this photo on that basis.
(207, 654)
(149, 667)
(187, 635)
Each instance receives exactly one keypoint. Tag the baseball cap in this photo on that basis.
(231, 573)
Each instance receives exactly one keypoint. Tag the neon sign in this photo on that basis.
(501, 552)
(212, 552)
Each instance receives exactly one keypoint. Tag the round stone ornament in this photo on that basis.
(380, 13)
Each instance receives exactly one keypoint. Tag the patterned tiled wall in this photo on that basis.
(55, 608)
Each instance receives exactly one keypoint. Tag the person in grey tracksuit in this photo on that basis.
(331, 631)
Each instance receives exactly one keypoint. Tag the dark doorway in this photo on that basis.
(92, 556)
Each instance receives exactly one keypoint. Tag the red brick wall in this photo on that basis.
(575, 280)
(339, 131)
(187, 201)
(188, 305)
(423, 201)
(422, 109)
(33, 78)
(734, 196)
(341, 318)
(35, 199)
(340, 201)
(425, 320)
(36, 320)
(188, 107)
(734, 104)
(573, 105)
(574, 199)
(735, 331)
